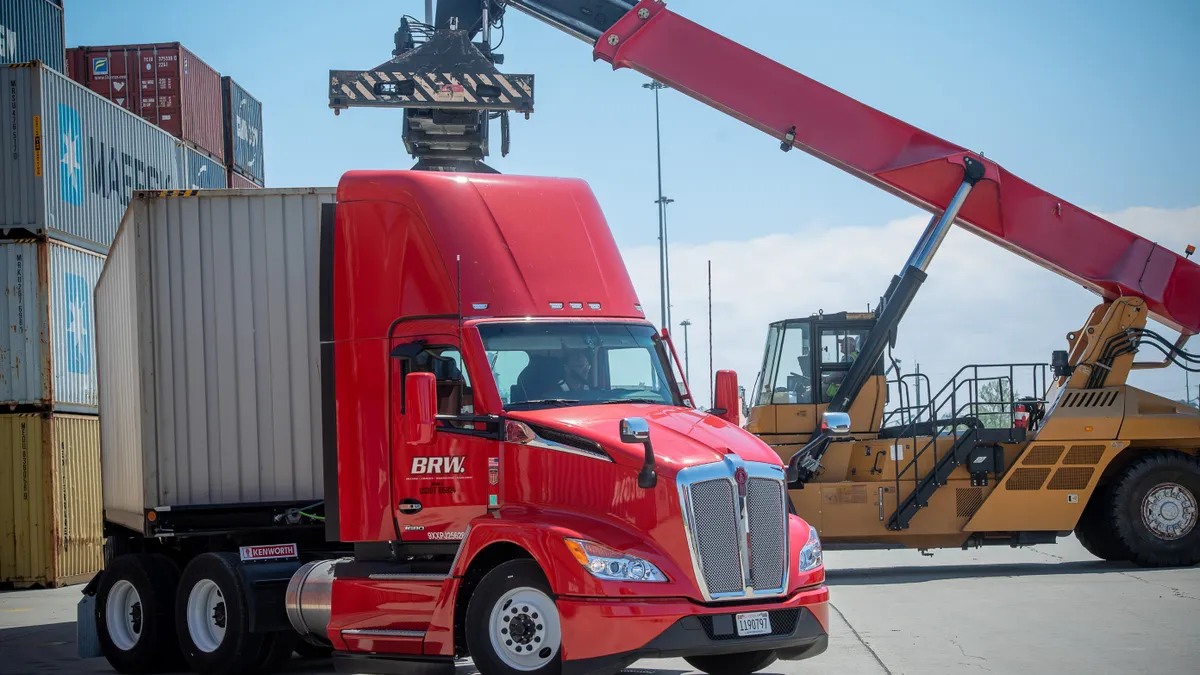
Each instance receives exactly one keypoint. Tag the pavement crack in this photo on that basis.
(862, 641)
(1175, 591)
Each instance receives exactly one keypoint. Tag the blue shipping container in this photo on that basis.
(243, 131)
(204, 172)
(32, 30)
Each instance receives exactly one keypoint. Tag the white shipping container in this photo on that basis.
(70, 159)
(47, 347)
(207, 332)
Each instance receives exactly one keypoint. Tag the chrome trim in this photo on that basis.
(724, 470)
(462, 543)
(546, 444)
(408, 577)
(384, 632)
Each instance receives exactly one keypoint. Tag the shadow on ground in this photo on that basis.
(870, 576)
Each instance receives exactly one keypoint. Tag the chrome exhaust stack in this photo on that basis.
(309, 599)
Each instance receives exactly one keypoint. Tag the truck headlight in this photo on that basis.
(612, 565)
(811, 556)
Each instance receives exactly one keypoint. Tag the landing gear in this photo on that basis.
(513, 624)
(134, 615)
(732, 664)
(1155, 508)
(212, 621)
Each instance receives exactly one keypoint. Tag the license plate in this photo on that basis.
(753, 623)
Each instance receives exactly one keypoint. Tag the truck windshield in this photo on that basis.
(542, 364)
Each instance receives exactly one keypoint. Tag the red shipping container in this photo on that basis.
(237, 180)
(164, 83)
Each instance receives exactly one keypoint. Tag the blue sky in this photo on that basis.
(1093, 100)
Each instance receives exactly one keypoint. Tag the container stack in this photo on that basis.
(72, 154)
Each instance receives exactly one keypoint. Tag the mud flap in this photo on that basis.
(87, 642)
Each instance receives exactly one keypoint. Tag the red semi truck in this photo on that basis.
(513, 466)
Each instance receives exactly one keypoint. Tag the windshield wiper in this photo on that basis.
(633, 400)
(546, 401)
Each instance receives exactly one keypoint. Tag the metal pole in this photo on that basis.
(937, 230)
(662, 253)
(667, 256)
(687, 371)
(711, 374)
(429, 12)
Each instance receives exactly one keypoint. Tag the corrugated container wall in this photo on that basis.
(47, 350)
(70, 160)
(51, 522)
(240, 182)
(32, 30)
(243, 131)
(164, 83)
(204, 172)
(208, 351)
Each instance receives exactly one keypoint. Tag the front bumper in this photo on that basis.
(634, 630)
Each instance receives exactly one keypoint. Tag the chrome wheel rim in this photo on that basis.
(123, 615)
(1169, 511)
(206, 616)
(524, 629)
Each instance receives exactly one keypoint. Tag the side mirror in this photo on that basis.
(637, 430)
(420, 408)
(726, 405)
(835, 423)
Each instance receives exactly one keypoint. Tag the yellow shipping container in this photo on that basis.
(51, 511)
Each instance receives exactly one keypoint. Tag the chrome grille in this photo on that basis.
(767, 555)
(738, 542)
(716, 535)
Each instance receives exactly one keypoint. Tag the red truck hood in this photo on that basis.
(681, 437)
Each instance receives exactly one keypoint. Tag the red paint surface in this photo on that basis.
(163, 83)
(240, 182)
(904, 160)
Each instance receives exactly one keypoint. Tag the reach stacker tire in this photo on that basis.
(1096, 532)
(1155, 507)
(135, 614)
(212, 618)
(512, 623)
(732, 664)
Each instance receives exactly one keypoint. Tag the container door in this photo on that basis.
(438, 488)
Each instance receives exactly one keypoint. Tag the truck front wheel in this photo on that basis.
(134, 614)
(513, 624)
(732, 664)
(1155, 508)
(212, 619)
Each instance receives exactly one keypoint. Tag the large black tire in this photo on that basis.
(1097, 532)
(732, 664)
(237, 650)
(535, 623)
(276, 651)
(153, 577)
(1154, 508)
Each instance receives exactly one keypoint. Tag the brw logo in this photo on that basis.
(438, 465)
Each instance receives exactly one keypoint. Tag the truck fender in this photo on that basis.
(266, 589)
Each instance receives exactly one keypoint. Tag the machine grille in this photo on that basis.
(716, 534)
(1085, 454)
(1027, 479)
(1046, 455)
(783, 622)
(967, 501)
(1071, 478)
(767, 555)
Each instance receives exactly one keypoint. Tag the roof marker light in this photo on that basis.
(556, 305)
(479, 305)
(576, 305)
(594, 305)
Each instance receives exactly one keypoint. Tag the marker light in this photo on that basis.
(612, 565)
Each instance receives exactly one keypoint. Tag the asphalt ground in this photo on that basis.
(1041, 610)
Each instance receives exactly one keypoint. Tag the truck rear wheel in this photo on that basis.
(1095, 529)
(732, 664)
(276, 651)
(212, 619)
(513, 626)
(135, 615)
(1155, 506)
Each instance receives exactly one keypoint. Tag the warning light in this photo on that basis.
(151, 516)
(1189, 251)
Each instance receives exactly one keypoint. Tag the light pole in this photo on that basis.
(663, 279)
(687, 371)
(666, 251)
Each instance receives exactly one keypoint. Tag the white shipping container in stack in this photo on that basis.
(70, 159)
(47, 349)
(207, 346)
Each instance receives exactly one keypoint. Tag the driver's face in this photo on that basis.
(579, 366)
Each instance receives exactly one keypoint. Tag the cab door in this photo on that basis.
(439, 484)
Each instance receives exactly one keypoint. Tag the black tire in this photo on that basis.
(1152, 473)
(1096, 530)
(276, 651)
(238, 649)
(733, 664)
(154, 578)
(307, 650)
(492, 588)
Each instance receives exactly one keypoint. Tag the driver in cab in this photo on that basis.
(577, 371)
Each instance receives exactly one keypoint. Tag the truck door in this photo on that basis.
(438, 487)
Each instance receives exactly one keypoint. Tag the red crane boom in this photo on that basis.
(896, 156)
